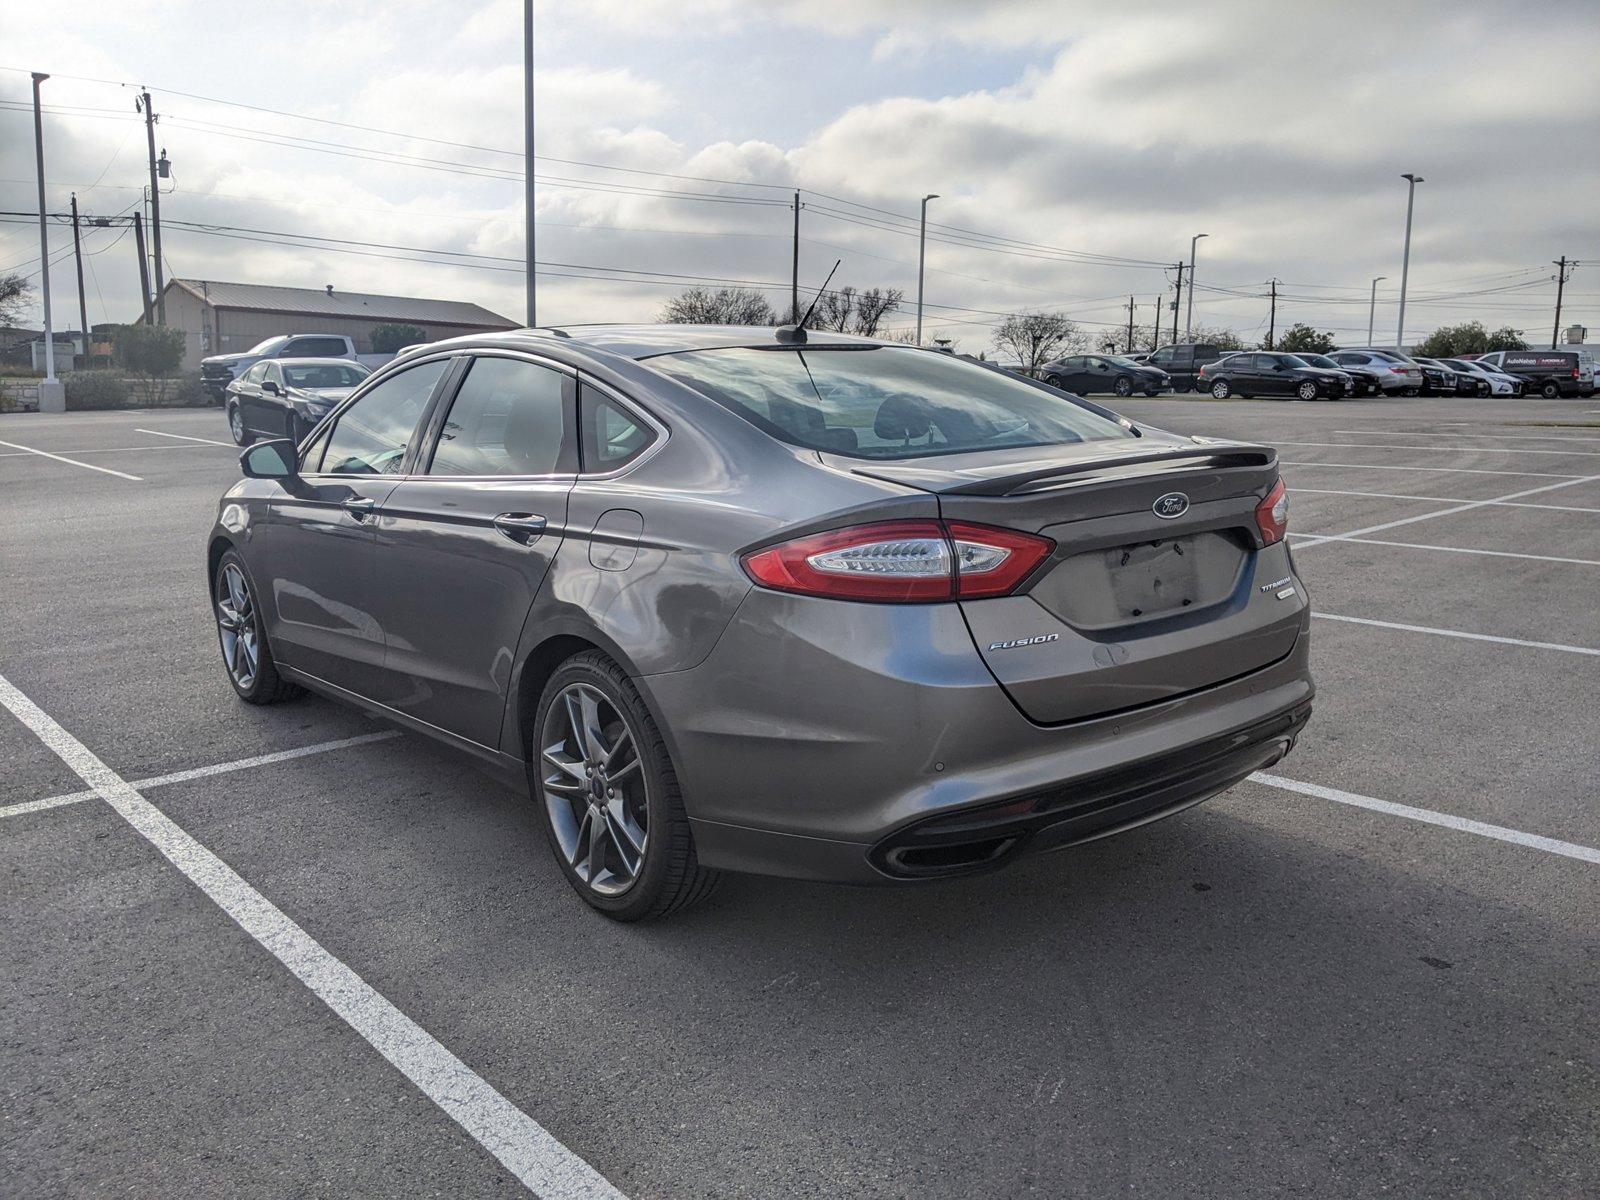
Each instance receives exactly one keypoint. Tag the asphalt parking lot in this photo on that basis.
(1371, 973)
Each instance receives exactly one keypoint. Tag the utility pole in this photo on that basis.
(77, 253)
(1561, 283)
(1177, 301)
(530, 284)
(1372, 307)
(922, 253)
(1155, 326)
(144, 269)
(155, 205)
(1405, 261)
(1130, 326)
(1188, 319)
(1272, 320)
(794, 270)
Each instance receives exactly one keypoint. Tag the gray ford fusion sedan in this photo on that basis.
(776, 601)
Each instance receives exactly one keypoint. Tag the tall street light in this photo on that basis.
(922, 249)
(1372, 308)
(1188, 314)
(531, 287)
(1405, 261)
(52, 395)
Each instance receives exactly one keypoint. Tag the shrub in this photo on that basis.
(95, 389)
(149, 349)
(391, 339)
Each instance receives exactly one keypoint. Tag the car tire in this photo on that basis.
(1411, 392)
(243, 638)
(236, 426)
(1550, 389)
(1056, 381)
(1122, 387)
(1220, 390)
(638, 870)
(1306, 391)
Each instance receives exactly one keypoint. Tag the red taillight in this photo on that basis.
(901, 562)
(1272, 514)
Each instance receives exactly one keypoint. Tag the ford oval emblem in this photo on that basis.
(1173, 504)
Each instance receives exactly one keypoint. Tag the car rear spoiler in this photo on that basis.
(1035, 477)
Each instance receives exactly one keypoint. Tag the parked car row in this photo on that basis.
(288, 397)
(219, 370)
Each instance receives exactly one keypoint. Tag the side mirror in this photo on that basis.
(270, 460)
(269, 387)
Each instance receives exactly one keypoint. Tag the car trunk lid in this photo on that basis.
(1132, 607)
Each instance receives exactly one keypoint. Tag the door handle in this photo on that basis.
(359, 507)
(523, 528)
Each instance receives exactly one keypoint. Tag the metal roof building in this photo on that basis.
(228, 318)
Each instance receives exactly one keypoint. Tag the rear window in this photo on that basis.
(884, 401)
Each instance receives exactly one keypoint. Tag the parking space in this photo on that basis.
(1280, 992)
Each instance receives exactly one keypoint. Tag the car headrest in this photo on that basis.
(901, 418)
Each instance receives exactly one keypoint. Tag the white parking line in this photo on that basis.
(1366, 541)
(1468, 506)
(73, 462)
(523, 1146)
(1428, 816)
(1458, 633)
(1444, 449)
(1436, 470)
(185, 437)
(242, 764)
(1444, 499)
(101, 450)
(1504, 437)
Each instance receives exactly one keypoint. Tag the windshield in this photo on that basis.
(884, 401)
(1118, 360)
(268, 346)
(324, 375)
(1319, 360)
(1293, 360)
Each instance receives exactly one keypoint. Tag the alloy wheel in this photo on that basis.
(1122, 387)
(595, 789)
(237, 626)
(1220, 389)
(236, 424)
(1307, 391)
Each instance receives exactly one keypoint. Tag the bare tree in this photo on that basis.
(1038, 337)
(873, 305)
(725, 306)
(15, 292)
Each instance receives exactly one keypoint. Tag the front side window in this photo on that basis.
(255, 373)
(268, 346)
(370, 437)
(884, 401)
(508, 418)
(1162, 356)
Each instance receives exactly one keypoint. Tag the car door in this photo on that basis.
(314, 550)
(1071, 374)
(247, 391)
(272, 403)
(464, 543)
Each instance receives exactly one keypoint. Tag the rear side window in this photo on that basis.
(371, 436)
(508, 418)
(315, 347)
(884, 401)
(613, 434)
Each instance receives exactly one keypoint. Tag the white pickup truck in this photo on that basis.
(218, 371)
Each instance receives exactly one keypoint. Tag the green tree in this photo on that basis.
(1302, 337)
(149, 349)
(393, 338)
(724, 306)
(1470, 337)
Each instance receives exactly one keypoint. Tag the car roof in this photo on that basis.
(318, 362)
(646, 341)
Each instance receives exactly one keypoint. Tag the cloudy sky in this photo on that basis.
(1076, 147)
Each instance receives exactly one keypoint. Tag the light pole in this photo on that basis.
(922, 252)
(527, 158)
(52, 395)
(1405, 261)
(1188, 313)
(1372, 308)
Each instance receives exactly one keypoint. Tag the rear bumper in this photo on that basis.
(837, 741)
